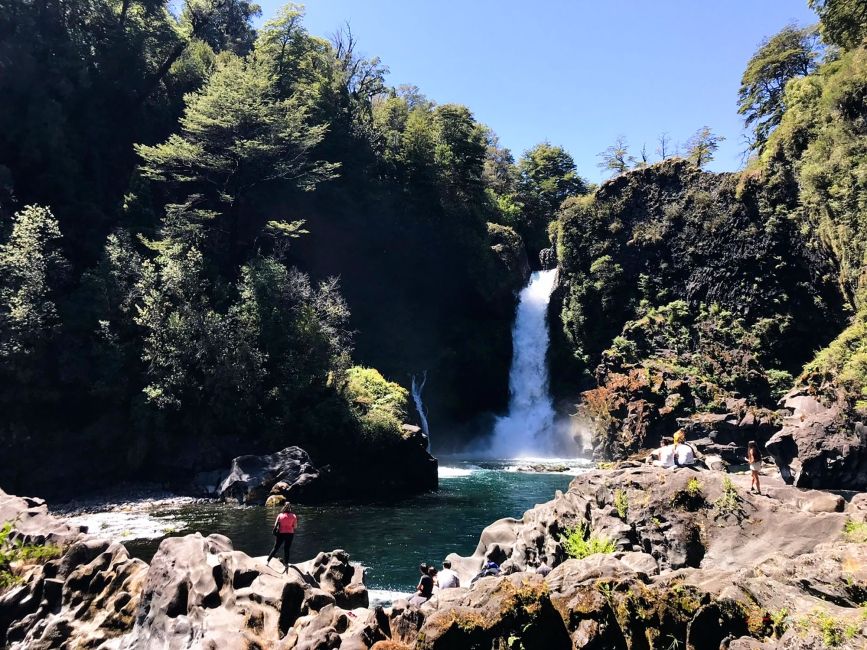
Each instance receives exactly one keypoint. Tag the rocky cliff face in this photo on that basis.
(688, 299)
(672, 232)
(697, 560)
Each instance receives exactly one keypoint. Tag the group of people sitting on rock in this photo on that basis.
(430, 578)
(445, 579)
(677, 454)
(681, 454)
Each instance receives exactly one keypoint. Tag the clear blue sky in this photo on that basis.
(573, 72)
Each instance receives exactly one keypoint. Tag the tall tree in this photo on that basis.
(791, 53)
(236, 136)
(31, 269)
(547, 176)
(225, 25)
(664, 147)
(616, 158)
(500, 173)
(702, 145)
(842, 22)
(459, 151)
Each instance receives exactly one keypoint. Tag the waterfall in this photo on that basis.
(417, 388)
(528, 429)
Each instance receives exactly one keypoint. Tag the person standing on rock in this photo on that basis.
(284, 531)
(755, 460)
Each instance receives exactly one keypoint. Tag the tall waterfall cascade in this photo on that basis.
(529, 428)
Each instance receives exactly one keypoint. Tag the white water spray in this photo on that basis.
(528, 429)
(417, 388)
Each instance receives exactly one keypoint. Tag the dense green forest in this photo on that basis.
(179, 194)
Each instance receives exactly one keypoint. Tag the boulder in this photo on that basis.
(518, 605)
(336, 575)
(253, 478)
(91, 594)
(32, 524)
(820, 445)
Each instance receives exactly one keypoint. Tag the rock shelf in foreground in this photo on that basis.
(698, 562)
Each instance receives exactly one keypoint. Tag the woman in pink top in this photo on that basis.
(284, 531)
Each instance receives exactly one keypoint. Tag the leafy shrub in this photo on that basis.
(843, 362)
(16, 551)
(833, 632)
(579, 542)
(380, 405)
(855, 531)
(691, 497)
(621, 502)
(729, 502)
(779, 382)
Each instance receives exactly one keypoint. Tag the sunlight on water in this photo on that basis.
(389, 538)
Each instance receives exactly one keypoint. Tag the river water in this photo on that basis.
(389, 538)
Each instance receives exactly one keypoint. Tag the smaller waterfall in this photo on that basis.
(528, 429)
(417, 389)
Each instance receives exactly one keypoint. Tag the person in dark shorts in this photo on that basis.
(284, 532)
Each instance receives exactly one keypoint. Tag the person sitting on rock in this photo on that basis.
(684, 455)
(490, 569)
(448, 579)
(424, 589)
(663, 457)
(284, 531)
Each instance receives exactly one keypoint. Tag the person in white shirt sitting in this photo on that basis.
(684, 455)
(678, 454)
(448, 579)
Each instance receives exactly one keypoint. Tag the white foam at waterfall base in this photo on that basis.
(454, 472)
(385, 597)
(528, 429)
(125, 526)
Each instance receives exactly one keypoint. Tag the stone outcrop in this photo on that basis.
(288, 473)
(635, 407)
(403, 465)
(683, 291)
(197, 592)
(822, 443)
(816, 441)
(696, 562)
(32, 522)
(510, 252)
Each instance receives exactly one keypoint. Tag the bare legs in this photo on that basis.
(755, 482)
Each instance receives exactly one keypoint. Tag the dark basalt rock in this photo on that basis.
(252, 478)
(822, 444)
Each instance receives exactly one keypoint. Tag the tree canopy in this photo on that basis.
(791, 53)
